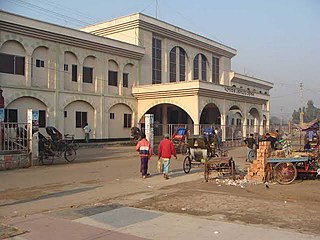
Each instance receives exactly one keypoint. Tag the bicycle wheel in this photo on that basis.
(187, 164)
(285, 172)
(70, 154)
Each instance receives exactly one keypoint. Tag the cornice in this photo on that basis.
(68, 40)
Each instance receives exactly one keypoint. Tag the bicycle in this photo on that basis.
(70, 140)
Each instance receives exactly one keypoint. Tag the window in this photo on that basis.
(203, 67)
(39, 63)
(111, 115)
(11, 64)
(156, 60)
(42, 118)
(125, 80)
(81, 119)
(66, 67)
(127, 120)
(215, 70)
(87, 74)
(182, 65)
(74, 73)
(173, 65)
(11, 115)
(65, 114)
(196, 67)
(113, 78)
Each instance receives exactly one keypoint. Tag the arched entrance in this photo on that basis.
(234, 123)
(210, 115)
(119, 121)
(167, 118)
(254, 120)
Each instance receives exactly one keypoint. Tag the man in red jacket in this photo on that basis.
(165, 151)
(144, 149)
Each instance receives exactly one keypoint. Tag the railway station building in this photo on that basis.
(111, 74)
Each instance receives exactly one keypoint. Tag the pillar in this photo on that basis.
(165, 118)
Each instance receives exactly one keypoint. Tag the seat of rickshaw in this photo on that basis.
(219, 160)
(53, 133)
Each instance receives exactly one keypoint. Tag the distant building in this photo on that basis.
(112, 73)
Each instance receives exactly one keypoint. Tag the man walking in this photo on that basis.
(145, 151)
(165, 151)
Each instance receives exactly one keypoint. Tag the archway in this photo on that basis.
(234, 123)
(254, 120)
(210, 115)
(119, 121)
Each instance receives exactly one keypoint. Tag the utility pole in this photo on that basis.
(301, 103)
(157, 9)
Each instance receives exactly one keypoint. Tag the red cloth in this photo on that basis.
(166, 149)
(144, 148)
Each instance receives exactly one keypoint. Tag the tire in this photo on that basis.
(206, 172)
(285, 172)
(187, 164)
(70, 154)
(252, 155)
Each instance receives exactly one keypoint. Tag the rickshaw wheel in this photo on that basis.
(187, 164)
(285, 172)
(252, 155)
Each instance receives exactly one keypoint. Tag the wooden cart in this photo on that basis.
(219, 164)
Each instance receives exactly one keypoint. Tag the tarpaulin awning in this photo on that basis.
(313, 125)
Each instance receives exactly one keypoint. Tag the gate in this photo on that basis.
(14, 145)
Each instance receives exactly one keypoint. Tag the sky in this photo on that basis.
(276, 40)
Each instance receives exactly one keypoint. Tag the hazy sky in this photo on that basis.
(276, 40)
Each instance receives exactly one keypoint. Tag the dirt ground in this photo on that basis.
(294, 206)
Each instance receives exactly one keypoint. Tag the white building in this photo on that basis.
(112, 73)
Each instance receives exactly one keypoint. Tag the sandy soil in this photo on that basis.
(295, 206)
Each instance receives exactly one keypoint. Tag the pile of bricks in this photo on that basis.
(259, 169)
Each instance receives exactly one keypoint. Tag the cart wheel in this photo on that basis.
(285, 172)
(187, 164)
(252, 155)
(206, 172)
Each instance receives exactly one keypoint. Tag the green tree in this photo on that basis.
(310, 112)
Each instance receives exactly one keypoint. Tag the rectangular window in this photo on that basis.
(203, 68)
(74, 73)
(127, 120)
(113, 78)
(182, 65)
(11, 64)
(173, 65)
(66, 67)
(196, 68)
(11, 115)
(42, 118)
(39, 63)
(125, 80)
(87, 74)
(111, 115)
(81, 119)
(156, 60)
(65, 114)
(215, 70)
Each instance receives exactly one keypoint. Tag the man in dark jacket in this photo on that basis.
(165, 151)
(250, 142)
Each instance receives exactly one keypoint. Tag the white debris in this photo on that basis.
(183, 209)
(216, 232)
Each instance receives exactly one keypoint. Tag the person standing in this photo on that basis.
(145, 151)
(87, 131)
(250, 142)
(165, 151)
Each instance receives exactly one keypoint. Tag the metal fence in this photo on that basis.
(14, 137)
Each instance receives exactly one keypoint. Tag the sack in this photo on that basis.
(159, 166)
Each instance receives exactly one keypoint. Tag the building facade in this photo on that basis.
(111, 74)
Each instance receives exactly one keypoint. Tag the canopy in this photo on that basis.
(313, 125)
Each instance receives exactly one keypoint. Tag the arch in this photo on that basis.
(209, 101)
(45, 100)
(109, 105)
(89, 61)
(79, 98)
(177, 64)
(120, 123)
(210, 114)
(113, 65)
(235, 105)
(13, 47)
(40, 67)
(193, 115)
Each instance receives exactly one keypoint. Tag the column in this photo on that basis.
(80, 77)
(28, 64)
(244, 126)
(165, 119)
(165, 64)
(120, 83)
(223, 126)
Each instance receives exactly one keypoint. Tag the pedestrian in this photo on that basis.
(145, 151)
(250, 142)
(218, 139)
(165, 151)
(87, 131)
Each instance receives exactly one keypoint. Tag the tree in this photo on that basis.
(310, 112)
